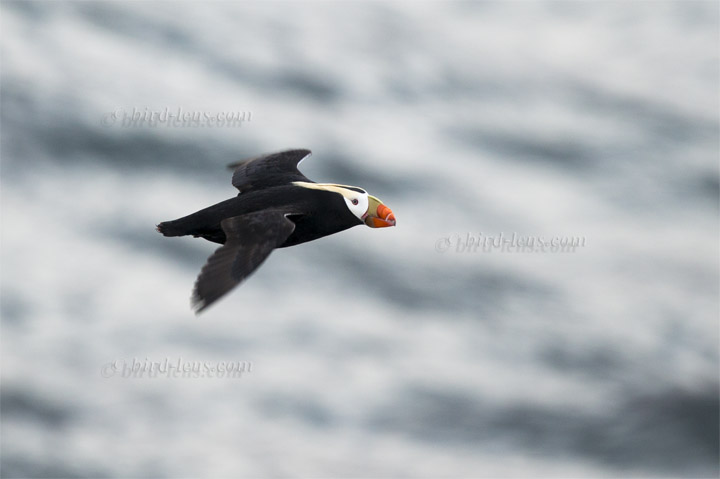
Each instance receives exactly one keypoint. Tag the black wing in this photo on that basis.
(250, 240)
(270, 170)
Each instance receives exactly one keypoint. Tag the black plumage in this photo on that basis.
(250, 239)
(277, 207)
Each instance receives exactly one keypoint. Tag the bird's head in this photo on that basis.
(365, 207)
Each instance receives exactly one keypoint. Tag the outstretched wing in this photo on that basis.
(269, 170)
(250, 240)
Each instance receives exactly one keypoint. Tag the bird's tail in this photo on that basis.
(172, 228)
(199, 224)
(193, 225)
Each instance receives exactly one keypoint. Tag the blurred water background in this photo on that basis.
(374, 353)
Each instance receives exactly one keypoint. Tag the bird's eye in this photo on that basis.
(355, 201)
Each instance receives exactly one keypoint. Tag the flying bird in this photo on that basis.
(277, 207)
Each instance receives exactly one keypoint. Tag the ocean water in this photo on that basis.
(439, 348)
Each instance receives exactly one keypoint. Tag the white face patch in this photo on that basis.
(356, 199)
(356, 202)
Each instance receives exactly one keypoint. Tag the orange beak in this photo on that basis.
(383, 217)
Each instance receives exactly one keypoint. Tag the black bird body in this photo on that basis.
(277, 207)
(316, 213)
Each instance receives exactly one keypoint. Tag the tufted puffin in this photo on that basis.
(277, 207)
